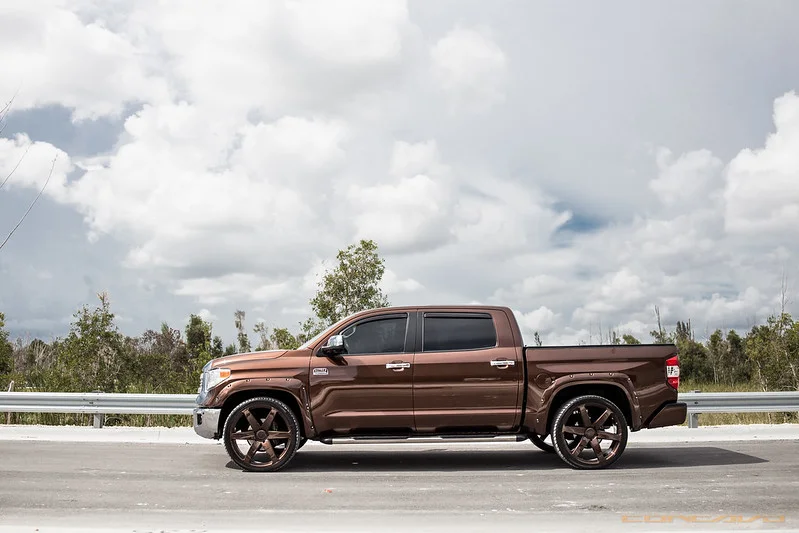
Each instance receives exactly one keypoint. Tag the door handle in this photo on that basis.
(502, 364)
(398, 367)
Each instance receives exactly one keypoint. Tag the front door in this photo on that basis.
(464, 379)
(368, 389)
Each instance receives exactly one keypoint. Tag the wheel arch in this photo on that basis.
(609, 390)
(284, 396)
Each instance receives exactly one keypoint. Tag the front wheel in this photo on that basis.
(540, 443)
(589, 432)
(261, 434)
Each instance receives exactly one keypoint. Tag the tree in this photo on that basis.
(217, 348)
(352, 286)
(6, 349)
(198, 336)
(537, 339)
(659, 335)
(629, 339)
(265, 342)
(244, 340)
(89, 358)
(282, 339)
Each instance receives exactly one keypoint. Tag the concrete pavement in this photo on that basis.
(62, 485)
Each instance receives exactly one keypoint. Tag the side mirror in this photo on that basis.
(334, 346)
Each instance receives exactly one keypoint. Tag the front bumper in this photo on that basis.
(206, 422)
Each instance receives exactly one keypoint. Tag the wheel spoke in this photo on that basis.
(256, 445)
(584, 415)
(243, 435)
(598, 451)
(580, 447)
(601, 420)
(269, 419)
(278, 435)
(269, 450)
(574, 430)
(608, 435)
(254, 424)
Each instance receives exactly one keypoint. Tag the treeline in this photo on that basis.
(766, 357)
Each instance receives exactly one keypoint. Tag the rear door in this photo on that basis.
(367, 390)
(463, 377)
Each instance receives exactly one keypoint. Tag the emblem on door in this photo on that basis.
(319, 371)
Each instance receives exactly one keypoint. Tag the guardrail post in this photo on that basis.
(10, 388)
(99, 418)
(693, 418)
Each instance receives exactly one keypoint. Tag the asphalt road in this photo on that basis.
(77, 486)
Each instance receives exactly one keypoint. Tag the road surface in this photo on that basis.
(433, 486)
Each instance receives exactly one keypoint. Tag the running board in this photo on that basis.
(389, 439)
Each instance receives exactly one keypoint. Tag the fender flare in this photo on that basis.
(614, 379)
(292, 386)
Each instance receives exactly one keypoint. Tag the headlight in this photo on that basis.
(214, 377)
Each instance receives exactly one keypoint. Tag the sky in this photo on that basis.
(581, 162)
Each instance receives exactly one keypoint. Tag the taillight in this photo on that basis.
(673, 372)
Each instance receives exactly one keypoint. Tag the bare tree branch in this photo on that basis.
(5, 111)
(49, 175)
(16, 166)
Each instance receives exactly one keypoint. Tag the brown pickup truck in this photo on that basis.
(436, 371)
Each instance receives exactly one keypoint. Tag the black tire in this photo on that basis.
(589, 417)
(538, 440)
(271, 444)
(303, 440)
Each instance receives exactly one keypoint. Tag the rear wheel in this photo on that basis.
(589, 432)
(261, 435)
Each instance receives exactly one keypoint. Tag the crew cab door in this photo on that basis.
(368, 389)
(467, 374)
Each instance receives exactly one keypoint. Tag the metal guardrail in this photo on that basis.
(97, 403)
(738, 402)
(100, 404)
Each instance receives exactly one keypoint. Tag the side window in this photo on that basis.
(468, 332)
(383, 335)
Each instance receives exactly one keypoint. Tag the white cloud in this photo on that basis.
(207, 315)
(392, 283)
(49, 54)
(762, 192)
(255, 146)
(470, 68)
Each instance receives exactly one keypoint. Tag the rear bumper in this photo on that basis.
(671, 414)
(206, 422)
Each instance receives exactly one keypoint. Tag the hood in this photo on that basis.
(246, 357)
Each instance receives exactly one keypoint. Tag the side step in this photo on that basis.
(389, 439)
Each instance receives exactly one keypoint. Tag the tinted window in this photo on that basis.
(458, 333)
(385, 335)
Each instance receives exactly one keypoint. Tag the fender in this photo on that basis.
(614, 379)
(292, 386)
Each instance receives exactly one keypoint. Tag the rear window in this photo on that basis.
(467, 332)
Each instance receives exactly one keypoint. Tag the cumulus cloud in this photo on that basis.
(762, 188)
(253, 147)
(49, 53)
(470, 68)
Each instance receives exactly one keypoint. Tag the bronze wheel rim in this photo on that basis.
(592, 433)
(260, 436)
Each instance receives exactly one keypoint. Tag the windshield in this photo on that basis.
(307, 344)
